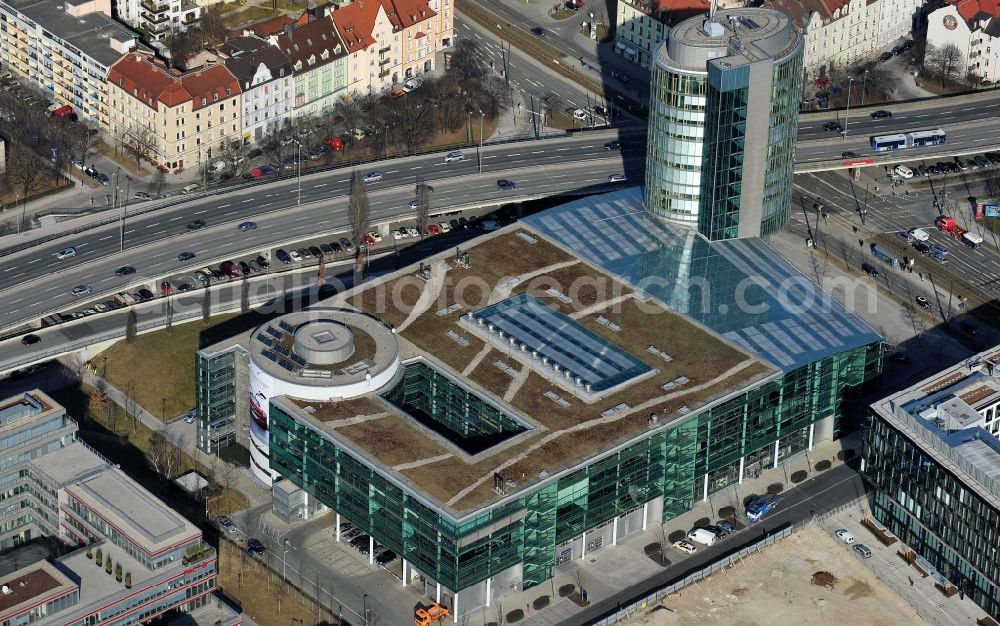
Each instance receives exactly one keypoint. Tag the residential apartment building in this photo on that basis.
(318, 59)
(185, 118)
(65, 48)
(932, 455)
(838, 33)
(392, 40)
(896, 20)
(266, 82)
(141, 559)
(158, 18)
(972, 26)
(641, 25)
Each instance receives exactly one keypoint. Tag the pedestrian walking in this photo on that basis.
(911, 580)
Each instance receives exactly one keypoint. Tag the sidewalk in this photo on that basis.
(607, 570)
(175, 431)
(905, 581)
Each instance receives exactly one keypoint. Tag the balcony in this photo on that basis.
(385, 50)
(153, 7)
(155, 18)
(383, 74)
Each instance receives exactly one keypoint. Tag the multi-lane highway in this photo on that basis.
(571, 164)
(34, 283)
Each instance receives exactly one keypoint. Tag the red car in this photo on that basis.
(230, 269)
(368, 240)
(433, 229)
(166, 289)
(335, 143)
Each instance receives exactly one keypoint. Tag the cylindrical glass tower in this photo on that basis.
(723, 121)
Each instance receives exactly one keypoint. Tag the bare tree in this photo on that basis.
(24, 167)
(98, 398)
(159, 177)
(358, 208)
(85, 139)
(140, 143)
(413, 121)
(163, 456)
(497, 98)
(206, 307)
(423, 206)
(168, 324)
(467, 61)
(244, 296)
(211, 24)
(946, 62)
(131, 326)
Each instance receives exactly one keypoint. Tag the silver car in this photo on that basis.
(81, 290)
(372, 177)
(66, 253)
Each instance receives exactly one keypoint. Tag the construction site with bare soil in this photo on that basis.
(792, 582)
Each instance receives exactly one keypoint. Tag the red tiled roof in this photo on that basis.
(355, 23)
(148, 82)
(310, 40)
(797, 10)
(140, 78)
(266, 28)
(671, 12)
(979, 9)
(213, 83)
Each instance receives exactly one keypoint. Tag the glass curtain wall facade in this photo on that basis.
(931, 510)
(221, 387)
(675, 142)
(783, 132)
(669, 464)
(725, 146)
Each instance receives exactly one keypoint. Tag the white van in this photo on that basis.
(193, 187)
(972, 240)
(919, 234)
(903, 172)
(702, 536)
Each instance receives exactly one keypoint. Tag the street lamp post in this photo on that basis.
(367, 610)
(847, 113)
(284, 551)
(121, 235)
(482, 116)
(298, 182)
(864, 87)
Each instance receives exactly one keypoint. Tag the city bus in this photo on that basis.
(926, 138)
(915, 139)
(884, 143)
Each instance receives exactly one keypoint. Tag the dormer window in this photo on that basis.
(298, 65)
(121, 82)
(229, 92)
(325, 55)
(204, 101)
(215, 97)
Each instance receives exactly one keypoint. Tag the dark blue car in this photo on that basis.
(283, 257)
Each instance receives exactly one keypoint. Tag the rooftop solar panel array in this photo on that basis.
(285, 326)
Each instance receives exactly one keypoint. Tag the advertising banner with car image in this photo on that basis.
(988, 208)
(261, 389)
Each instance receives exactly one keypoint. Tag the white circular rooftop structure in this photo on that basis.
(324, 342)
(319, 354)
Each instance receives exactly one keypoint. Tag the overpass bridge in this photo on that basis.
(33, 285)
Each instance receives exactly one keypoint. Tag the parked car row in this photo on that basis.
(705, 535)
(361, 541)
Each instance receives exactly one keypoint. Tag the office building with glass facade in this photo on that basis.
(723, 121)
(935, 465)
(129, 558)
(542, 394)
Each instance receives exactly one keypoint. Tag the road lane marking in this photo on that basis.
(321, 185)
(103, 238)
